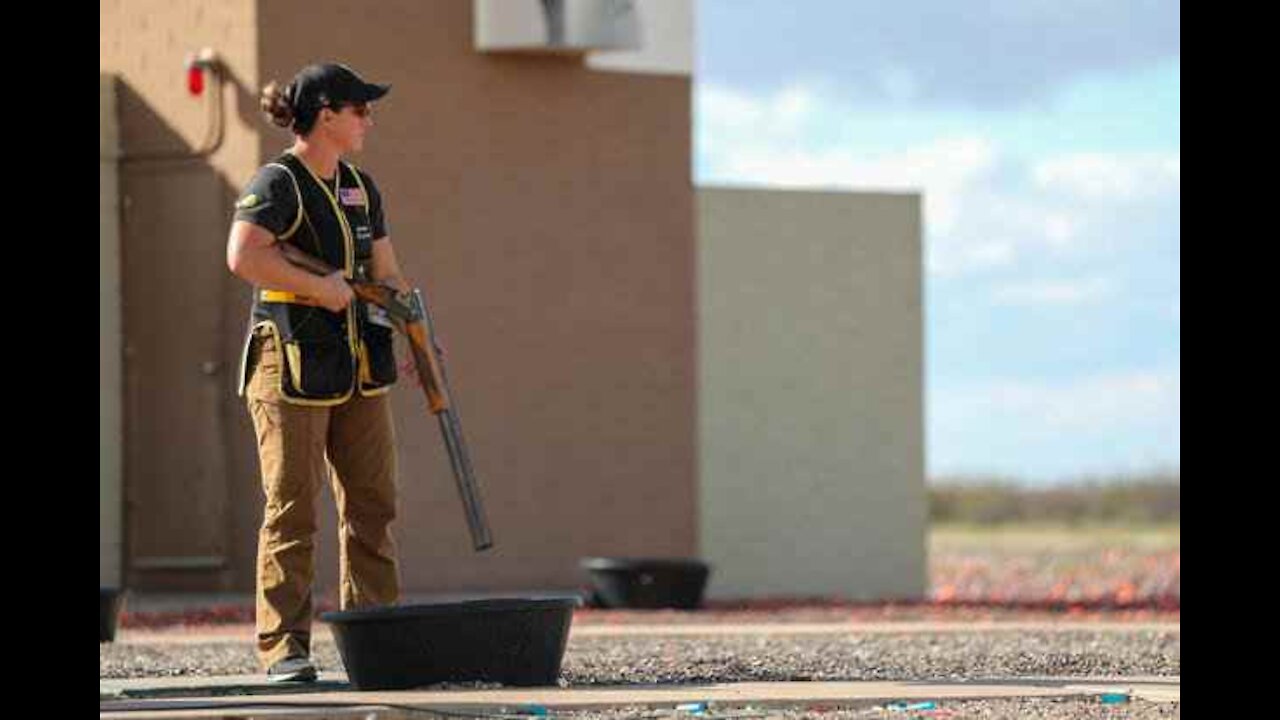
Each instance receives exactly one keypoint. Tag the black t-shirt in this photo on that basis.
(270, 202)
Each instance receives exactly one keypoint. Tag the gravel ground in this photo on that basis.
(233, 618)
(1041, 708)
(1011, 709)
(655, 659)
(829, 611)
(628, 660)
(702, 659)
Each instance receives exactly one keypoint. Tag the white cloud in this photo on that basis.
(760, 140)
(983, 210)
(1110, 178)
(793, 107)
(1088, 404)
(727, 118)
(1101, 423)
(991, 253)
(941, 169)
(1059, 228)
(1052, 292)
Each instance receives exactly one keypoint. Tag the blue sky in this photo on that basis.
(1044, 137)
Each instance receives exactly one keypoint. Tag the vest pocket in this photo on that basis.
(318, 368)
(379, 361)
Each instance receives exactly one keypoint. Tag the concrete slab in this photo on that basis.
(250, 695)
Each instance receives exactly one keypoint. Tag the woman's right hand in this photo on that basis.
(333, 292)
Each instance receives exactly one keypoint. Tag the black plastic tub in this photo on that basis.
(513, 641)
(110, 610)
(647, 582)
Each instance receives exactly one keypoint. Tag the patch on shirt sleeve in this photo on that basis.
(247, 201)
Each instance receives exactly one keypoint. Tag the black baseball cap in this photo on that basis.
(331, 85)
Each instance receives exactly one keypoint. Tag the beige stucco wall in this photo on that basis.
(180, 314)
(811, 432)
(110, 434)
(546, 208)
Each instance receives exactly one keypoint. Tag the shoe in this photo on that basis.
(294, 669)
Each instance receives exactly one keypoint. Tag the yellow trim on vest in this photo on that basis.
(348, 243)
(297, 192)
(364, 193)
(295, 363)
(366, 375)
(244, 359)
(349, 246)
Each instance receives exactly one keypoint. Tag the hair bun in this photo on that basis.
(275, 103)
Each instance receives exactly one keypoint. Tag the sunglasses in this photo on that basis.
(360, 109)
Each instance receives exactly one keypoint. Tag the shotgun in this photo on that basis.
(410, 315)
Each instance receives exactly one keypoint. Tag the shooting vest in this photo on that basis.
(326, 356)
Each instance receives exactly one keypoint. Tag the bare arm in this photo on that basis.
(252, 256)
(386, 269)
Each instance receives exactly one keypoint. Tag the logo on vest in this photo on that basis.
(247, 202)
(351, 196)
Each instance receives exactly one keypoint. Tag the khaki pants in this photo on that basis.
(298, 446)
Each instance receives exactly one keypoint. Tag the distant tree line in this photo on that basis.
(1154, 498)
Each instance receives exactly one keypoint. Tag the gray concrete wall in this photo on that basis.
(811, 427)
(110, 447)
